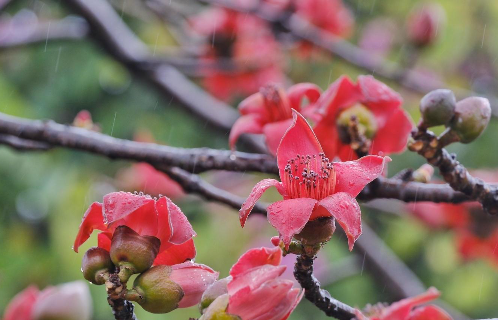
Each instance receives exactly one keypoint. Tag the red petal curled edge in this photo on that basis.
(137, 212)
(274, 132)
(298, 140)
(176, 253)
(346, 211)
(181, 228)
(287, 305)
(353, 176)
(342, 93)
(21, 306)
(194, 279)
(246, 124)
(255, 258)
(393, 136)
(254, 196)
(429, 313)
(254, 104)
(92, 219)
(297, 92)
(164, 226)
(290, 216)
(402, 308)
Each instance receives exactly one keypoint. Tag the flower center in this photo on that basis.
(276, 103)
(309, 176)
(367, 125)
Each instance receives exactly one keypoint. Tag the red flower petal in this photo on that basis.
(254, 104)
(297, 92)
(164, 226)
(256, 258)
(194, 279)
(21, 306)
(135, 211)
(402, 308)
(429, 313)
(287, 305)
(175, 254)
(255, 277)
(290, 216)
(379, 98)
(341, 94)
(245, 124)
(344, 208)
(393, 136)
(274, 132)
(104, 240)
(353, 176)
(254, 196)
(92, 219)
(181, 228)
(259, 303)
(298, 140)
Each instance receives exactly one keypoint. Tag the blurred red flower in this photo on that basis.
(247, 42)
(270, 112)
(147, 216)
(256, 292)
(424, 23)
(377, 109)
(407, 309)
(313, 186)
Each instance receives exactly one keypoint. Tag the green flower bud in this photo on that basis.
(317, 231)
(437, 107)
(132, 252)
(471, 118)
(156, 292)
(96, 265)
(215, 290)
(217, 310)
(367, 125)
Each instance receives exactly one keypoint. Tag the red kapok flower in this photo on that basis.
(441, 215)
(70, 301)
(329, 15)
(270, 112)
(160, 218)
(247, 42)
(313, 186)
(408, 309)
(255, 292)
(377, 109)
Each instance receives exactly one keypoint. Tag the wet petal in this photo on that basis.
(393, 136)
(290, 216)
(254, 277)
(298, 140)
(194, 279)
(182, 229)
(254, 196)
(104, 240)
(297, 92)
(286, 306)
(274, 132)
(255, 258)
(341, 94)
(92, 219)
(353, 176)
(164, 226)
(137, 212)
(176, 253)
(346, 212)
(245, 124)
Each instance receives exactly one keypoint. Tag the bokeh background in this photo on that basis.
(43, 195)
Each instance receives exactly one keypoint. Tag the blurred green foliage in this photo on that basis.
(44, 195)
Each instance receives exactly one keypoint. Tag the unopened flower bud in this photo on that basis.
(96, 265)
(217, 310)
(424, 23)
(132, 252)
(70, 301)
(317, 231)
(437, 107)
(471, 118)
(423, 174)
(215, 290)
(156, 292)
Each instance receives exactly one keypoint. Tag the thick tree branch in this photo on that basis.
(427, 145)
